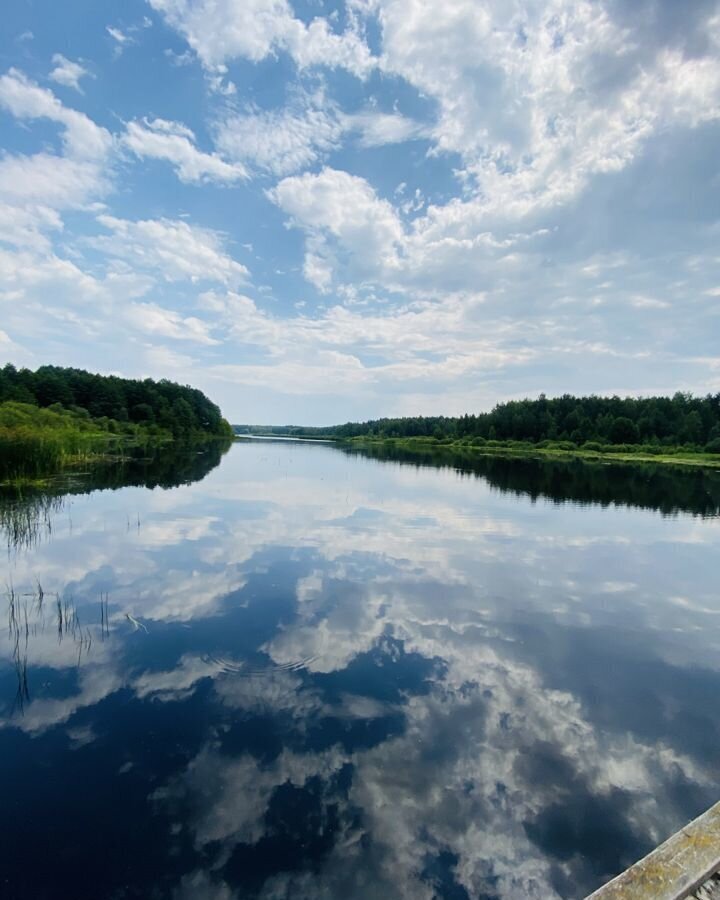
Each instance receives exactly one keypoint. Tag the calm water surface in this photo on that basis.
(313, 674)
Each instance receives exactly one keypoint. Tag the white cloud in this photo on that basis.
(23, 98)
(533, 112)
(304, 131)
(337, 209)
(25, 226)
(120, 37)
(24, 271)
(35, 189)
(417, 347)
(526, 93)
(221, 30)
(174, 142)
(47, 300)
(282, 141)
(173, 248)
(67, 72)
(377, 129)
(354, 239)
(125, 37)
(45, 181)
(154, 320)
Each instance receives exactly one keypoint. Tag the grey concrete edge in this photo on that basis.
(637, 882)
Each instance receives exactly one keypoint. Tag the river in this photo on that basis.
(301, 672)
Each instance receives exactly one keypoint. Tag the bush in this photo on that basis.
(713, 446)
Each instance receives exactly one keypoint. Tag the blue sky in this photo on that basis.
(321, 211)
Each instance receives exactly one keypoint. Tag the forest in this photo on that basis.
(58, 416)
(591, 422)
(176, 409)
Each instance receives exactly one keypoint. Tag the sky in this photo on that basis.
(324, 211)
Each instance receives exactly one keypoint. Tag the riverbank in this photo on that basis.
(38, 444)
(675, 456)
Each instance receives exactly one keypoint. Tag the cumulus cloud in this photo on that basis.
(45, 181)
(221, 30)
(355, 237)
(377, 129)
(550, 141)
(23, 98)
(346, 209)
(174, 142)
(154, 320)
(345, 352)
(282, 141)
(36, 189)
(25, 226)
(173, 248)
(538, 100)
(304, 131)
(67, 72)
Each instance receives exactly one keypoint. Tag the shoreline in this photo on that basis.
(433, 445)
(118, 451)
(686, 459)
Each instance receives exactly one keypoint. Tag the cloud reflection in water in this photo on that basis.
(360, 679)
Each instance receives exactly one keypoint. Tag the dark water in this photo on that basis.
(313, 674)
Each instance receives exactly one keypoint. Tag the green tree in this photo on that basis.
(624, 431)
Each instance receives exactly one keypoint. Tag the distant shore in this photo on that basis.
(658, 455)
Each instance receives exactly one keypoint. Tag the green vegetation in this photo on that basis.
(54, 417)
(689, 489)
(27, 506)
(679, 429)
(36, 442)
(552, 450)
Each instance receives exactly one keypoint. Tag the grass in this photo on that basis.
(562, 450)
(28, 617)
(37, 443)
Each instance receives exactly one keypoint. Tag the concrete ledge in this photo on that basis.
(675, 869)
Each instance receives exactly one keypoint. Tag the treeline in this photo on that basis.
(681, 420)
(112, 402)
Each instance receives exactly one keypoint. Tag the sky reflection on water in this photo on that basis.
(327, 675)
